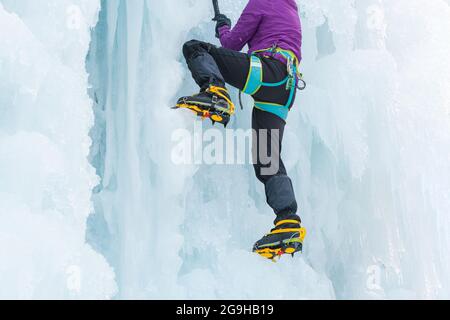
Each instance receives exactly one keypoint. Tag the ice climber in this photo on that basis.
(269, 72)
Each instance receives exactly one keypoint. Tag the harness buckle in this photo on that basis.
(290, 83)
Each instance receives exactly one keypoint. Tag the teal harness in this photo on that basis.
(255, 81)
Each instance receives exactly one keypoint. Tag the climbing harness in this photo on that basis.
(293, 81)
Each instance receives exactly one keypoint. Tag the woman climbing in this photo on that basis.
(269, 73)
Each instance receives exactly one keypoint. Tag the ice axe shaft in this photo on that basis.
(216, 8)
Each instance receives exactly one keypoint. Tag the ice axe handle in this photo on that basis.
(216, 7)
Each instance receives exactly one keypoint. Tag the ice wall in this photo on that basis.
(171, 231)
(373, 146)
(367, 146)
(45, 177)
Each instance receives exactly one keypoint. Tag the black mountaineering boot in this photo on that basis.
(286, 238)
(213, 103)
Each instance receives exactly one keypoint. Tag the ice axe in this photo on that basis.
(216, 8)
(218, 16)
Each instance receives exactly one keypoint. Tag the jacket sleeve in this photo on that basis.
(244, 30)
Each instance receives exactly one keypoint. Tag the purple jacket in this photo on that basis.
(263, 24)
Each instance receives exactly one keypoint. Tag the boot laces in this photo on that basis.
(222, 93)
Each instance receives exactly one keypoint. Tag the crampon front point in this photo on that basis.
(275, 254)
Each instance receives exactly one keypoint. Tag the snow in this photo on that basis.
(367, 146)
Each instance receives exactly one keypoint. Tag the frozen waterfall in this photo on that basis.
(93, 206)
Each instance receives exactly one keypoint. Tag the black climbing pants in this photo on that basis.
(211, 65)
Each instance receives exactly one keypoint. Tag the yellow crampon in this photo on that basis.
(274, 251)
(201, 113)
(216, 113)
(220, 92)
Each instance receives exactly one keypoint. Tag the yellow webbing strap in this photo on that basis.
(287, 222)
(301, 231)
(286, 230)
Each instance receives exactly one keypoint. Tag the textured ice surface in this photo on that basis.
(373, 140)
(172, 231)
(367, 146)
(45, 177)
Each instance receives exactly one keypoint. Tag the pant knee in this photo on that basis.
(194, 47)
(189, 48)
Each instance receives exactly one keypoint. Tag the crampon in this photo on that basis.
(214, 104)
(286, 238)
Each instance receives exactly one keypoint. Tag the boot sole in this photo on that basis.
(291, 247)
(216, 115)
